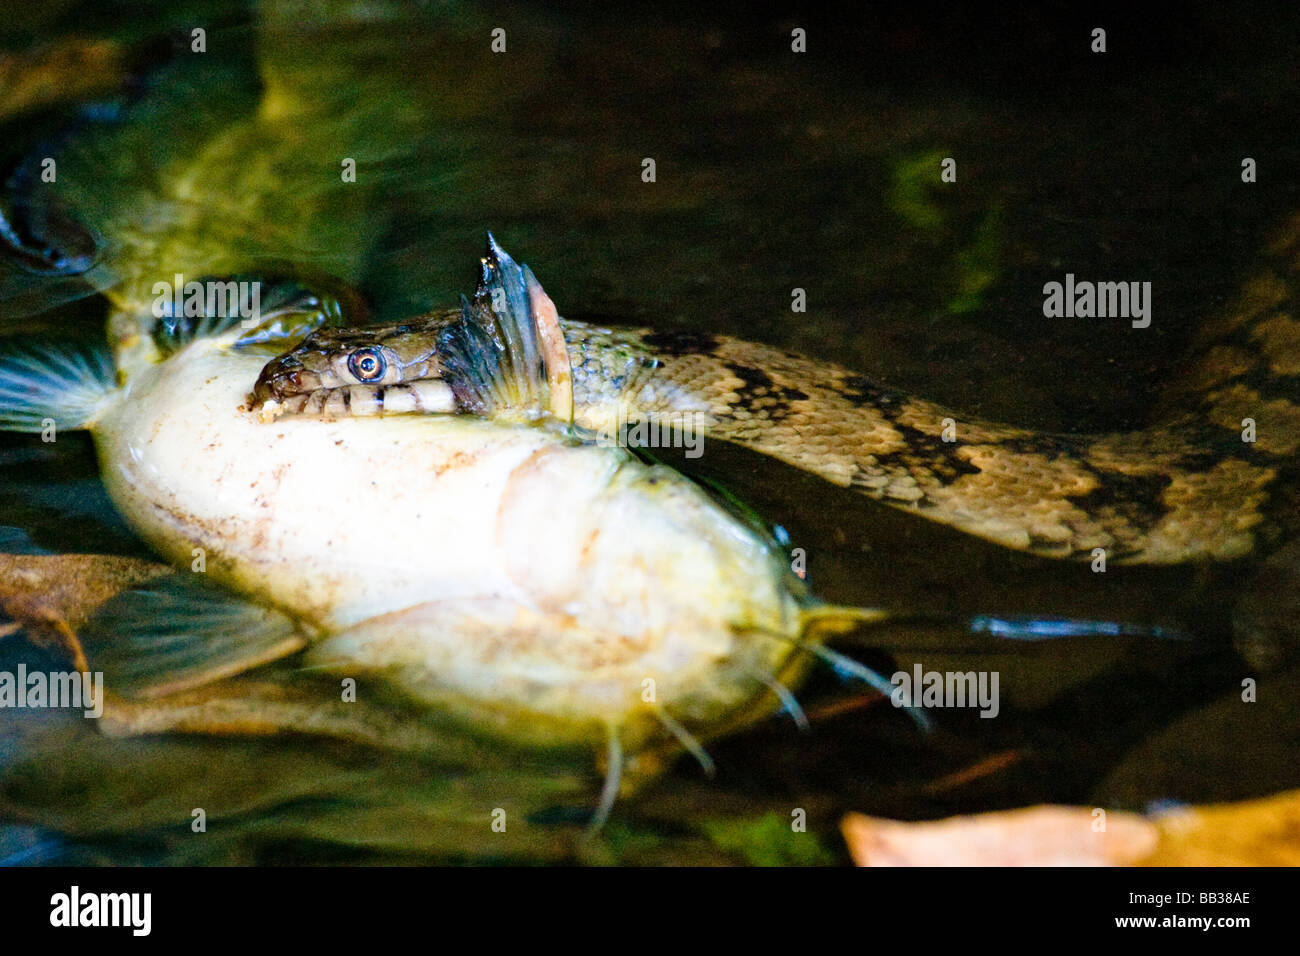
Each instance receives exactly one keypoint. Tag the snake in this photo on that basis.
(1212, 478)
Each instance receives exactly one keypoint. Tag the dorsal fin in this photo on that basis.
(506, 357)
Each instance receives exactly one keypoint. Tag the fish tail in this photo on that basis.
(63, 386)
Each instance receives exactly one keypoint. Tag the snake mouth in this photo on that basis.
(286, 380)
(423, 396)
(286, 387)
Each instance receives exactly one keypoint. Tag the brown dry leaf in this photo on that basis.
(52, 595)
(1036, 836)
(1263, 832)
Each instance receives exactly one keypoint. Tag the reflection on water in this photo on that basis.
(773, 172)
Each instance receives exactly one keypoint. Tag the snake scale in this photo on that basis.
(1193, 485)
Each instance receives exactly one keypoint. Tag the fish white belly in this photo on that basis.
(337, 521)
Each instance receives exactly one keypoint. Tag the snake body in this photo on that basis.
(1209, 480)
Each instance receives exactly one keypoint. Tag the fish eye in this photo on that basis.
(368, 365)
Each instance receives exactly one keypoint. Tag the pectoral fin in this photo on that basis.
(506, 357)
(44, 384)
(180, 632)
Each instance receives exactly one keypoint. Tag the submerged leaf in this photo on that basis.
(50, 596)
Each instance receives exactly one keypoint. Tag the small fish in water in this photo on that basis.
(64, 248)
(39, 234)
(494, 567)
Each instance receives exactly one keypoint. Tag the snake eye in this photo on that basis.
(367, 365)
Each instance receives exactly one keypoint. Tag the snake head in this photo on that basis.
(358, 371)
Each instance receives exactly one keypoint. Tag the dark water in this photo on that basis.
(774, 171)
